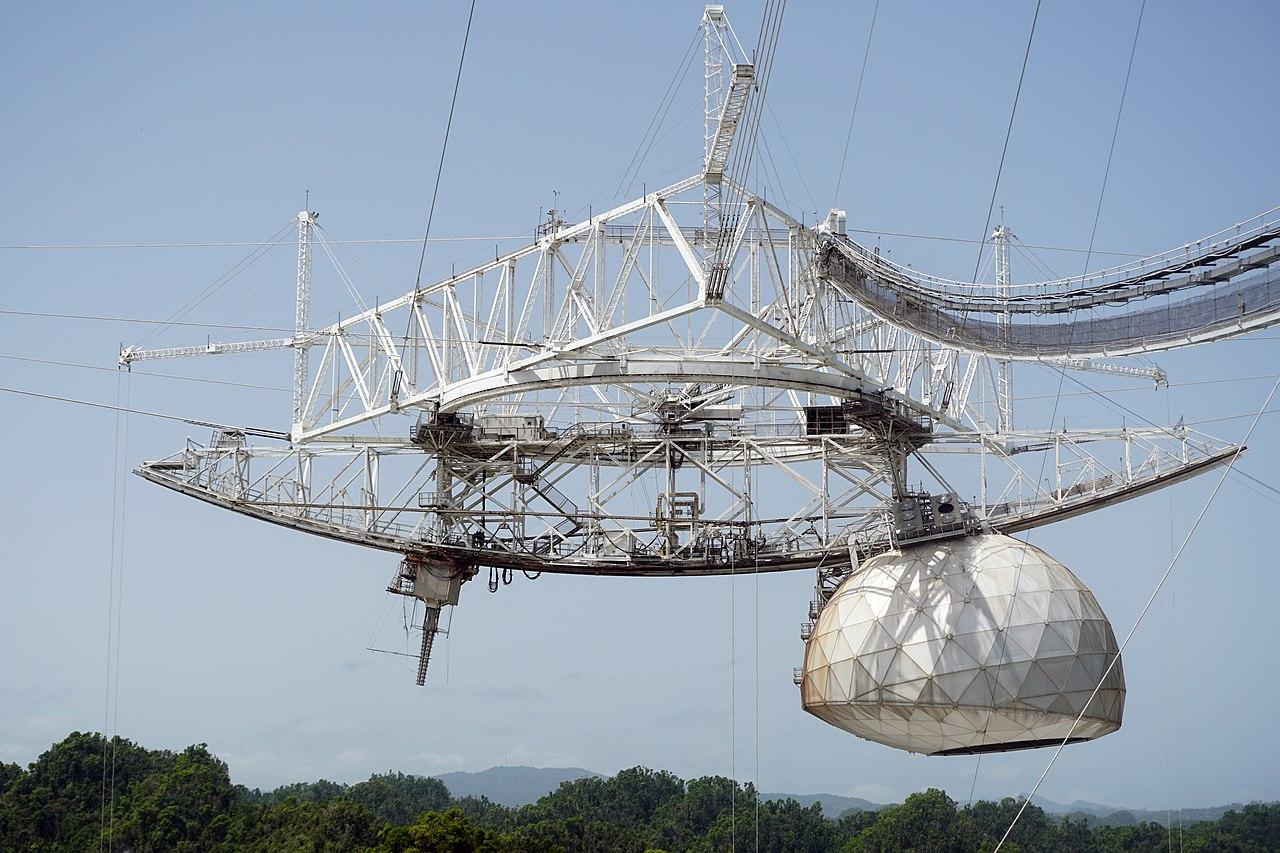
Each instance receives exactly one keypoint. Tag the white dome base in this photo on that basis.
(978, 644)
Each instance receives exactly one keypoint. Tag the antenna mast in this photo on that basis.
(714, 44)
(302, 319)
(1004, 379)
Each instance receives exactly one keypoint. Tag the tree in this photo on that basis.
(984, 823)
(399, 798)
(304, 792)
(183, 804)
(9, 773)
(333, 825)
(58, 801)
(435, 832)
(783, 826)
(926, 821)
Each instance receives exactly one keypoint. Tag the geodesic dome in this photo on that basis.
(977, 644)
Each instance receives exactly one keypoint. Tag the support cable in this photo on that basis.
(1115, 131)
(1102, 192)
(1062, 374)
(656, 121)
(1142, 613)
(100, 368)
(744, 153)
(1175, 778)
(218, 283)
(756, 605)
(857, 98)
(435, 191)
(1007, 133)
(261, 433)
(119, 617)
(976, 268)
(110, 617)
(444, 146)
(732, 702)
(115, 597)
(732, 705)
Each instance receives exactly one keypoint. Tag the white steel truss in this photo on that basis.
(593, 403)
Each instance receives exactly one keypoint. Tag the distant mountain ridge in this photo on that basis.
(515, 786)
(833, 805)
(511, 785)
(1098, 814)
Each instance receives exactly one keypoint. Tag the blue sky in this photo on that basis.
(161, 123)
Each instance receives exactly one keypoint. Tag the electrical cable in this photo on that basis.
(1142, 613)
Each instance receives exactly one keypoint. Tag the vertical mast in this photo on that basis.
(302, 318)
(714, 35)
(1004, 380)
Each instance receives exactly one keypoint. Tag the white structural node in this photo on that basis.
(695, 382)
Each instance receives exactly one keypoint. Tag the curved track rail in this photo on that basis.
(1222, 288)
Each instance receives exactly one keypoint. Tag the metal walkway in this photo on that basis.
(1224, 285)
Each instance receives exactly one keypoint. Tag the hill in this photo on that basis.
(511, 786)
(165, 800)
(516, 786)
(833, 805)
(1096, 814)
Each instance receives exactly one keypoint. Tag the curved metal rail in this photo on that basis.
(553, 534)
(1226, 288)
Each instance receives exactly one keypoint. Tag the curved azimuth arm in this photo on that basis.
(565, 503)
(1225, 285)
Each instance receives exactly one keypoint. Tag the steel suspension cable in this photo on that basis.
(119, 615)
(1175, 778)
(976, 268)
(218, 283)
(770, 28)
(656, 122)
(1017, 95)
(435, 192)
(444, 146)
(1141, 614)
(110, 618)
(262, 433)
(857, 98)
(1061, 373)
(1115, 131)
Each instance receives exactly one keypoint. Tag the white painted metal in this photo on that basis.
(1004, 374)
(302, 315)
(664, 410)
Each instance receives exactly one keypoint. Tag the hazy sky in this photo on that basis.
(175, 123)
